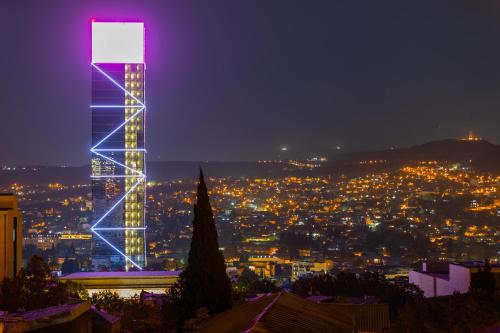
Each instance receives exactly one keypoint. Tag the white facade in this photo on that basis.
(118, 42)
(458, 279)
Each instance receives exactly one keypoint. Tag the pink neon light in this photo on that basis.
(118, 42)
(123, 19)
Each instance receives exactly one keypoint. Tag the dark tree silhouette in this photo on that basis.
(455, 313)
(70, 266)
(36, 288)
(249, 284)
(348, 284)
(204, 283)
(484, 279)
(37, 278)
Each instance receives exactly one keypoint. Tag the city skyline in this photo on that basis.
(359, 76)
(308, 167)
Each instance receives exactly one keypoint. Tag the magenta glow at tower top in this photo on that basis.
(117, 42)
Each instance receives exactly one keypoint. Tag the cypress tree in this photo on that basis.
(204, 282)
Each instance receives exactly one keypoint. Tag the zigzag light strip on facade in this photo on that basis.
(118, 149)
(141, 177)
(94, 227)
(116, 106)
(117, 250)
(120, 164)
(93, 149)
(118, 85)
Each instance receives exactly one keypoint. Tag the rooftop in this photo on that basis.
(474, 264)
(108, 317)
(41, 318)
(122, 275)
(442, 276)
(286, 312)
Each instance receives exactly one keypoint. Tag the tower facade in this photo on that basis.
(11, 240)
(118, 145)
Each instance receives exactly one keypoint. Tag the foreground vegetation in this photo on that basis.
(35, 287)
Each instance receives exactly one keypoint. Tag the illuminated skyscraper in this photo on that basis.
(118, 150)
(11, 240)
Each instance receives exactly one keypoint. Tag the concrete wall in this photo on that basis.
(424, 282)
(443, 287)
(459, 278)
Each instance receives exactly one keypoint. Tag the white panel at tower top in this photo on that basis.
(118, 42)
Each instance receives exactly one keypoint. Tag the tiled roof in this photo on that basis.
(41, 318)
(282, 312)
(368, 317)
(106, 316)
(47, 312)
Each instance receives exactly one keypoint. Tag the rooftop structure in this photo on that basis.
(457, 278)
(73, 317)
(103, 321)
(126, 284)
(286, 312)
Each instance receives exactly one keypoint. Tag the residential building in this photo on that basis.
(443, 282)
(11, 244)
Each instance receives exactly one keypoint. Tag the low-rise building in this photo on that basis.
(443, 282)
(286, 312)
(304, 268)
(125, 284)
(11, 244)
(74, 317)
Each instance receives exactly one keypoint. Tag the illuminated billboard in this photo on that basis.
(117, 42)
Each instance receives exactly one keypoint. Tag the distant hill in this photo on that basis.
(189, 170)
(482, 154)
(45, 174)
(157, 171)
(485, 156)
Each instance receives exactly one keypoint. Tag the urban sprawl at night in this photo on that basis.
(249, 167)
(384, 221)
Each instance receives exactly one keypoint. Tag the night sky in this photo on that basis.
(237, 80)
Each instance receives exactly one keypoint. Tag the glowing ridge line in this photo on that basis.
(116, 129)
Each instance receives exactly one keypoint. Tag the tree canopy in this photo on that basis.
(347, 284)
(36, 288)
(204, 283)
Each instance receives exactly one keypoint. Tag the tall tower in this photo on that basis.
(11, 240)
(118, 145)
